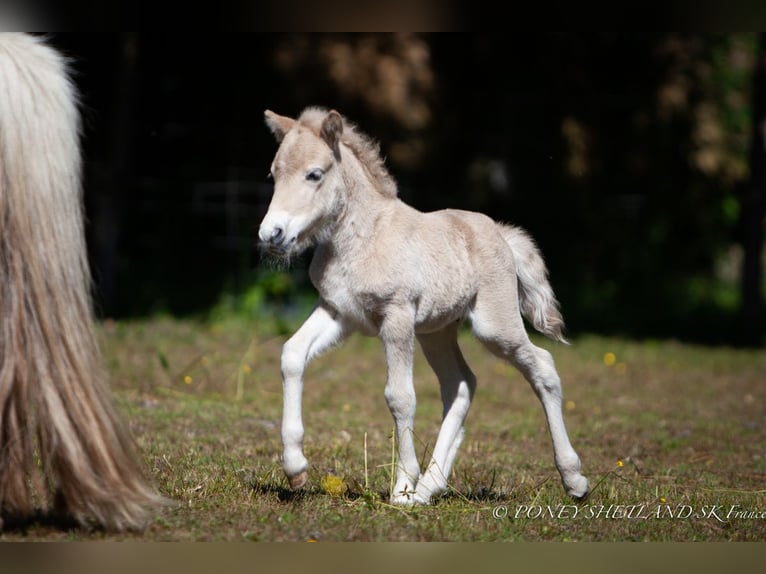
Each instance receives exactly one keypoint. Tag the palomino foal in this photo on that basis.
(386, 269)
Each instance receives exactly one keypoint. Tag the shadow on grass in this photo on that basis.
(12, 522)
(479, 495)
(353, 493)
(270, 486)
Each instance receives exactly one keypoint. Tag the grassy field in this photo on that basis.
(671, 436)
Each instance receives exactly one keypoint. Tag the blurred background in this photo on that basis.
(636, 161)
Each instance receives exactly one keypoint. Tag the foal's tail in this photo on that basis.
(62, 441)
(538, 303)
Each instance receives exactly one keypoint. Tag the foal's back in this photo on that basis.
(456, 241)
(441, 260)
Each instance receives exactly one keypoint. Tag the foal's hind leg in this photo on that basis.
(502, 331)
(457, 384)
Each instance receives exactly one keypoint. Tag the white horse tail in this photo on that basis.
(538, 303)
(62, 442)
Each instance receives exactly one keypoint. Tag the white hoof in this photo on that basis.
(403, 499)
(422, 499)
(577, 487)
(428, 487)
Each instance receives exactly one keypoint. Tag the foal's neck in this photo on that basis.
(364, 207)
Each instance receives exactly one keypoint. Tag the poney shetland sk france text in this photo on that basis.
(717, 512)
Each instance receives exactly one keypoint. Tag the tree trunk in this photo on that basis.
(116, 181)
(754, 209)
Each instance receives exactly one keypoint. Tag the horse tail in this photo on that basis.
(62, 441)
(538, 303)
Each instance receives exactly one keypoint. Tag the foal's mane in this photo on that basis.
(366, 150)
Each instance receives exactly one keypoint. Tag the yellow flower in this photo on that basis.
(246, 369)
(333, 485)
(570, 405)
(662, 499)
(188, 380)
(610, 359)
(620, 464)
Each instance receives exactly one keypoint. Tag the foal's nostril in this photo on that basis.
(277, 236)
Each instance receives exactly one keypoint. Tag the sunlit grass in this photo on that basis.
(661, 428)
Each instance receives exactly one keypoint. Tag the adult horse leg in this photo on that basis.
(457, 384)
(398, 336)
(499, 326)
(319, 332)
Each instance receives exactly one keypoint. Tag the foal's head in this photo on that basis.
(307, 180)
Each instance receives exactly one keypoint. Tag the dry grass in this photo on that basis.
(661, 427)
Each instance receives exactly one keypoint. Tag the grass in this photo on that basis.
(672, 437)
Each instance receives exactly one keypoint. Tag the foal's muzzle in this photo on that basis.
(277, 237)
(272, 232)
(280, 233)
(274, 235)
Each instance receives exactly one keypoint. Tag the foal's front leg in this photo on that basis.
(321, 330)
(398, 335)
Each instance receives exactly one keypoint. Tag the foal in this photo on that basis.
(383, 268)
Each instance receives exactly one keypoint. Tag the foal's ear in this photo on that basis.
(279, 125)
(332, 128)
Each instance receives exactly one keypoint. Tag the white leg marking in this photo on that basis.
(457, 388)
(503, 333)
(538, 368)
(397, 333)
(319, 332)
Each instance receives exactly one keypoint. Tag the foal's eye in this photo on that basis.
(314, 174)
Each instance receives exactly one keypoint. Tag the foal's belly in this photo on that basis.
(436, 315)
(366, 311)
(437, 286)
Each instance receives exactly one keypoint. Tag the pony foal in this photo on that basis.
(383, 268)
